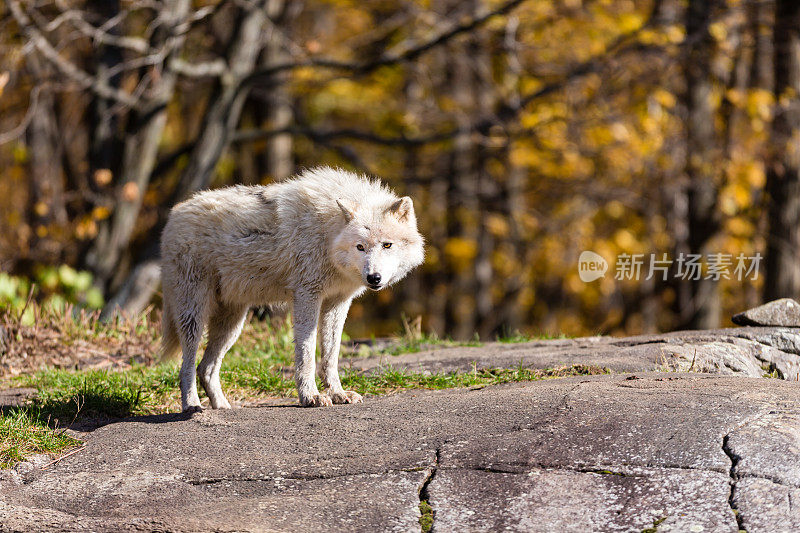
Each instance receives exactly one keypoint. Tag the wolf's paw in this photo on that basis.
(315, 400)
(347, 396)
(191, 409)
(224, 404)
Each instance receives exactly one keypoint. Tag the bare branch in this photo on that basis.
(391, 58)
(346, 133)
(98, 86)
(505, 112)
(157, 57)
(26, 120)
(100, 34)
(217, 67)
(198, 16)
(97, 35)
(412, 52)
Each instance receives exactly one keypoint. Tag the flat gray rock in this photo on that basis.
(747, 351)
(16, 396)
(549, 499)
(601, 453)
(784, 313)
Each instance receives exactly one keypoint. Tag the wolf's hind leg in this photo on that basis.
(190, 309)
(332, 320)
(224, 328)
(190, 329)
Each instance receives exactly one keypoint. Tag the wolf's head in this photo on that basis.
(380, 244)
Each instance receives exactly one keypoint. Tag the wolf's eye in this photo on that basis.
(360, 247)
(387, 245)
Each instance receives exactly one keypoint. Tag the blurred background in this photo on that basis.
(527, 131)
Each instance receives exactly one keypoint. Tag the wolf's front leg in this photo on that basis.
(306, 316)
(333, 316)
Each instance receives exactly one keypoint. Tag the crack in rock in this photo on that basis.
(294, 477)
(634, 343)
(734, 458)
(528, 468)
(426, 525)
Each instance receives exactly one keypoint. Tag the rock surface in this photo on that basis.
(16, 396)
(747, 351)
(600, 453)
(783, 312)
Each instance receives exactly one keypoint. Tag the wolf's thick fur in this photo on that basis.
(315, 241)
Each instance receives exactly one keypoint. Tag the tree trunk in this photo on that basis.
(761, 20)
(138, 160)
(703, 310)
(47, 180)
(508, 319)
(487, 191)
(137, 291)
(225, 106)
(279, 163)
(221, 117)
(104, 146)
(412, 290)
(463, 205)
(782, 277)
(438, 215)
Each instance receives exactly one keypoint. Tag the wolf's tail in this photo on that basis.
(170, 343)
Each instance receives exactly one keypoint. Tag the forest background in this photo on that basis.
(527, 132)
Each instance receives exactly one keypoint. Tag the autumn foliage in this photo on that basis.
(526, 131)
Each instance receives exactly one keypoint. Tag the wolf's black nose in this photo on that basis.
(373, 279)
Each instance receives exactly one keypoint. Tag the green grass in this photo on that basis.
(392, 380)
(519, 337)
(657, 522)
(65, 395)
(412, 340)
(426, 516)
(24, 432)
(422, 342)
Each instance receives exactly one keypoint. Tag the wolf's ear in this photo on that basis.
(347, 211)
(403, 209)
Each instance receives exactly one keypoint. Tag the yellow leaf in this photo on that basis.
(460, 252)
(130, 192)
(738, 226)
(313, 46)
(665, 98)
(630, 22)
(675, 34)
(759, 104)
(497, 225)
(626, 241)
(615, 209)
(735, 96)
(41, 208)
(20, 153)
(649, 37)
(102, 176)
(620, 132)
(754, 173)
(100, 212)
(718, 31)
(86, 228)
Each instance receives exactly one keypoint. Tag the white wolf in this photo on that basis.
(316, 241)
